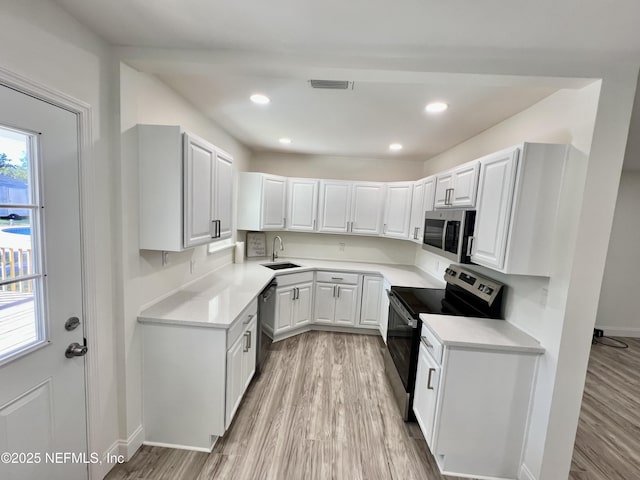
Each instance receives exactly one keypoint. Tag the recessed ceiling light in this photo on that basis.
(260, 99)
(395, 147)
(285, 141)
(436, 107)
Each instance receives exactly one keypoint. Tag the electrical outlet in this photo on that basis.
(598, 333)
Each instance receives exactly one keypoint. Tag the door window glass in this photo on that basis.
(22, 323)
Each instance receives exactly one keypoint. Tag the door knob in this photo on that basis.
(75, 350)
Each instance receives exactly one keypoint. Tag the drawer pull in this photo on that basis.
(429, 386)
(426, 342)
(249, 318)
(337, 278)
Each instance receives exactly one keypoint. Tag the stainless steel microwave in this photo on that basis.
(449, 233)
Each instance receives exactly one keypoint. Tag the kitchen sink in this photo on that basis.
(280, 266)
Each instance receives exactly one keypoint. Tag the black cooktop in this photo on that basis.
(438, 301)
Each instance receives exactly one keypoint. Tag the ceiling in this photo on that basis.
(378, 111)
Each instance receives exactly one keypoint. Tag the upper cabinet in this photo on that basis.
(347, 207)
(518, 198)
(423, 193)
(302, 204)
(397, 212)
(261, 201)
(457, 188)
(186, 189)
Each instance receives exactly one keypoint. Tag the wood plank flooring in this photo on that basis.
(608, 438)
(322, 409)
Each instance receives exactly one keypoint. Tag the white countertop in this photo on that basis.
(217, 299)
(480, 333)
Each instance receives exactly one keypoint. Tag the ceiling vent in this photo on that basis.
(331, 84)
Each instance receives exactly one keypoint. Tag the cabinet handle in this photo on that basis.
(429, 386)
(384, 228)
(314, 224)
(249, 317)
(337, 278)
(246, 341)
(249, 340)
(218, 231)
(297, 293)
(284, 223)
(334, 290)
(213, 229)
(338, 291)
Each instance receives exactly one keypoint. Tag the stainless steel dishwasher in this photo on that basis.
(266, 316)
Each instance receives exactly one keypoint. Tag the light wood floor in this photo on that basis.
(322, 409)
(608, 438)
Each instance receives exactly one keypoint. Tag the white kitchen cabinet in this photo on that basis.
(472, 398)
(397, 212)
(423, 194)
(518, 198)
(347, 207)
(426, 393)
(384, 310)
(186, 189)
(457, 188)
(261, 201)
(302, 204)
(294, 302)
(241, 366)
(334, 206)
(371, 306)
(367, 203)
(336, 299)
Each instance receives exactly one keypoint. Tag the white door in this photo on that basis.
(198, 202)
(444, 183)
(42, 392)
(284, 310)
(274, 190)
(371, 301)
(429, 196)
(302, 204)
(367, 201)
(235, 378)
(465, 186)
(223, 193)
(417, 212)
(249, 354)
(397, 214)
(302, 304)
(426, 394)
(495, 198)
(346, 305)
(325, 310)
(335, 206)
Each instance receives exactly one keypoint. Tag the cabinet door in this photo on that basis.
(426, 394)
(443, 184)
(346, 305)
(367, 203)
(249, 350)
(302, 304)
(398, 210)
(335, 206)
(198, 171)
(465, 186)
(417, 212)
(223, 194)
(493, 215)
(235, 380)
(274, 191)
(284, 310)
(384, 311)
(371, 301)
(302, 204)
(325, 301)
(429, 196)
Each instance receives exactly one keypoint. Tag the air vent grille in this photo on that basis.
(331, 84)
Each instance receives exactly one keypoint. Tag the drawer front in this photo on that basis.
(293, 278)
(431, 343)
(241, 323)
(337, 277)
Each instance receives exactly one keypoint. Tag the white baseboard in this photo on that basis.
(525, 473)
(182, 447)
(620, 331)
(128, 448)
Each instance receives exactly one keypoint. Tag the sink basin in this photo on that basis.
(280, 266)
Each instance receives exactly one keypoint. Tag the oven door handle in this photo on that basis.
(394, 304)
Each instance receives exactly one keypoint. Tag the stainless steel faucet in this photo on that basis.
(274, 255)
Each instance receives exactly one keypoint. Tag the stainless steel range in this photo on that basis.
(466, 294)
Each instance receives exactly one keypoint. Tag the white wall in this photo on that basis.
(41, 42)
(335, 167)
(141, 278)
(619, 308)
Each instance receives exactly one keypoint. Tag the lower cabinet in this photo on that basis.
(336, 298)
(426, 393)
(241, 365)
(371, 308)
(294, 301)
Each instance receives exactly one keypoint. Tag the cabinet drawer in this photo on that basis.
(337, 277)
(240, 324)
(431, 343)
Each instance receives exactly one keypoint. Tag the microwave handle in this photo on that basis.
(470, 246)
